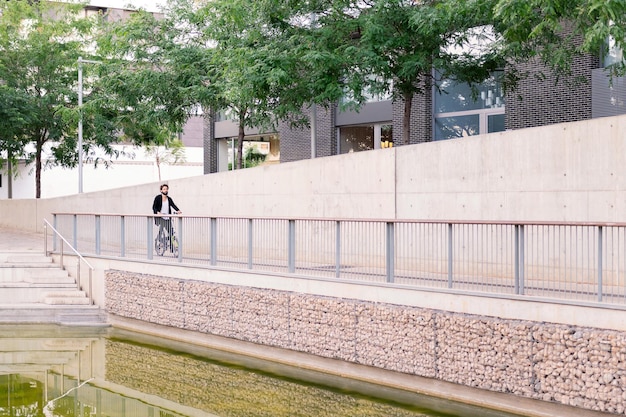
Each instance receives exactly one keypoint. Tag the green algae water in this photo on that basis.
(56, 371)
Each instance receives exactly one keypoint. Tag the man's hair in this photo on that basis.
(164, 185)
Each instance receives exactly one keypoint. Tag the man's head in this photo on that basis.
(164, 189)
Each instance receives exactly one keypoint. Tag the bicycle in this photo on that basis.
(166, 241)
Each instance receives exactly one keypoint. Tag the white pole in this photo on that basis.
(80, 124)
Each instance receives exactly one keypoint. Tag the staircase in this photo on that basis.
(33, 289)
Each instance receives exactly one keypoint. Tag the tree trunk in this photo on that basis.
(240, 137)
(9, 176)
(38, 170)
(406, 118)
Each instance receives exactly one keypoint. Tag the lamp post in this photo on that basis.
(81, 61)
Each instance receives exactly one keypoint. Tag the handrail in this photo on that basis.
(80, 257)
(364, 220)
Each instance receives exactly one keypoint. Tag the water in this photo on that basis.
(69, 372)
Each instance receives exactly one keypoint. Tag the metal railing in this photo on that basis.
(579, 262)
(61, 250)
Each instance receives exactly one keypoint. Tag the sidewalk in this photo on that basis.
(12, 240)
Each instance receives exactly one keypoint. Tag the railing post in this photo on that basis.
(90, 286)
(54, 235)
(45, 239)
(250, 244)
(98, 234)
(122, 236)
(450, 254)
(149, 236)
(75, 231)
(516, 255)
(337, 249)
(600, 243)
(389, 255)
(213, 233)
(78, 273)
(180, 238)
(291, 247)
(522, 250)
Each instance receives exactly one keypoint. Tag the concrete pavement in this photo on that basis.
(13, 240)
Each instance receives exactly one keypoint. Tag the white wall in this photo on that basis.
(135, 168)
(565, 172)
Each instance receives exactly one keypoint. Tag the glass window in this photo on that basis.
(461, 111)
(613, 53)
(495, 123)
(386, 133)
(454, 96)
(457, 126)
(224, 114)
(356, 138)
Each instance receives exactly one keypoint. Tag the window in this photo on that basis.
(613, 53)
(461, 111)
(364, 138)
(368, 95)
(224, 114)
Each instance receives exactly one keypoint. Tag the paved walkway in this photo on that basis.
(18, 240)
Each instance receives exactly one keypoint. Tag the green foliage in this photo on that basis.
(15, 117)
(172, 152)
(40, 43)
(556, 31)
(155, 73)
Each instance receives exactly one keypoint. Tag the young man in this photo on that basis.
(164, 204)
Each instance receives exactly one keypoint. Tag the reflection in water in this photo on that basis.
(53, 371)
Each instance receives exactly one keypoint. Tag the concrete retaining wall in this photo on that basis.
(563, 172)
(580, 366)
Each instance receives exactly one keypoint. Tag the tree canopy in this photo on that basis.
(40, 43)
(264, 60)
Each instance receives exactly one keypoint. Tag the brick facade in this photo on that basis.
(210, 145)
(540, 99)
(295, 143)
(543, 99)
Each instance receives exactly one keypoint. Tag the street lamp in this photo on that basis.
(80, 119)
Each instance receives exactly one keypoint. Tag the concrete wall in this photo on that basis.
(565, 172)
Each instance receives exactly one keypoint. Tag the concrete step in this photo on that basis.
(71, 298)
(47, 276)
(29, 274)
(22, 292)
(40, 313)
(33, 357)
(20, 259)
(21, 344)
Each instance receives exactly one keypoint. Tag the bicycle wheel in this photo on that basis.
(175, 246)
(159, 246)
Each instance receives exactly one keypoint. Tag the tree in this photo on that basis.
(401, 42)
(154, 73)
(355, 48)
(40, 43)
(556, 31)
(172, 153)
(14, 118)
(260, 76)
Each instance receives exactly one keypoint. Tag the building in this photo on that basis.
(443, 115)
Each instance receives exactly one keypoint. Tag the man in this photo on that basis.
(164, 204)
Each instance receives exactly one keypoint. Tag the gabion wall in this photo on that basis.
(582, 367)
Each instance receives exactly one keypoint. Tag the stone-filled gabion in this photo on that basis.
(582, 367)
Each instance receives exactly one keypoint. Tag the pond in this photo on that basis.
(78, 371)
